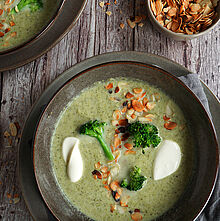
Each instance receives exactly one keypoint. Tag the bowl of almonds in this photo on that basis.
(184, 19)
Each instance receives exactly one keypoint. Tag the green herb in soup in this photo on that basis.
(21, 20)
(33, 5)
(133, 185)
(136, 180)
(95, 129)
(144, 135)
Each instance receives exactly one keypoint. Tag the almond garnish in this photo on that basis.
(170, 125)
(165, 118)
(117, 114)
(150, 105)
(129, 146)
(13, 129)
(137, 105)
(137, 90)
(136, 216)
(128, 152)
(187, 17)
(123, 122)
(117, 141)
(109, 86)
(129, 95)
(145, 100)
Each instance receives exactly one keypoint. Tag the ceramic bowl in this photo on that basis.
(196, 194)
(67, 14)
(179, 36)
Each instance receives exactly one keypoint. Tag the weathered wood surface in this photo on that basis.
(95, 33)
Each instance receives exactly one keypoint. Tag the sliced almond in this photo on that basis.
(170, 125)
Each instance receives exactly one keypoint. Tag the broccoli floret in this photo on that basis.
(124, 183)
(33, 5)
(136, 181)
(96, 129)
(144, 135)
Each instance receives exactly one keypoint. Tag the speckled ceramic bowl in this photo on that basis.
(179, 36)
(104, 67)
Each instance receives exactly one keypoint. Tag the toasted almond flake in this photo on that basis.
(166, 118)
(108, 13)
(195, 7)
(158, 6)
(123, 122)
(101, 4)
(112, 208)
(117, 141)
(124, 110)
(137, 90)
(13, 129)
(107, 187)
(129, 146)
(130, 111)
(133, 116)
(130, 23)
(141, 24)
(129, 95)
(145, 100)
(122, 25)
(114, 185)
(13, 34)
(7, 134)
(150, 105)
(137, 105)
(136, 216)
(109, 86)
(12, 23)
(116, 114)
(104, 169)
(170, 125)
(97, 165)
(149, 115)
(128, 152)
(144, 119)
(172, 12)
(16, 200)
(137, 19)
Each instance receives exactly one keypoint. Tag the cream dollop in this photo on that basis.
(72, 158)
(167, 159)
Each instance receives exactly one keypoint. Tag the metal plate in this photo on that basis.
(33, 199)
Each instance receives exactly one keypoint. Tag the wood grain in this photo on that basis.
(95, 33)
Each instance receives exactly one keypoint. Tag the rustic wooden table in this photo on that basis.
(95, 33)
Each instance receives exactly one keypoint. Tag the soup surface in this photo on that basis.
(91, 195)
(18, 26)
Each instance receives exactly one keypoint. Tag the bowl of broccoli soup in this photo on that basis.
(29, 28)
(125, 141)
(22, 20)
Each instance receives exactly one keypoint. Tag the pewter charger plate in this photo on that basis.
(30, 191)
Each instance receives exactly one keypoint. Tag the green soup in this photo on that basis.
(89, 194)
(19, 27)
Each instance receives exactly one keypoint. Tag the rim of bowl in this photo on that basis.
(38, 34)
(197, 213)
(180, 34)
